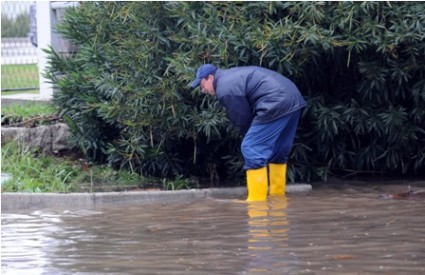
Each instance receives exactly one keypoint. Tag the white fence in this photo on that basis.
(21, 51)
(18, 51)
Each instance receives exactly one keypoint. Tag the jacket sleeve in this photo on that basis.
(239, 111)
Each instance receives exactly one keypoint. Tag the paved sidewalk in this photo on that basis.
(22, 98)
(16, 201)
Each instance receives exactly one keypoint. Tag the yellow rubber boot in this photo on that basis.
(256, 180)
(277, 177)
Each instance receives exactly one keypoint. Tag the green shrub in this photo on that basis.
(14, 27)
(360, 65)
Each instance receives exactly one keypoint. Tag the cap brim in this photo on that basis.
(195, 83)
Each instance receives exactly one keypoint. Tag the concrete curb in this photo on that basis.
(16, 201)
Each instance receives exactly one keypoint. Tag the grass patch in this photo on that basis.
(19, 76)
(28, 110)
(35, 112)
(34, 172)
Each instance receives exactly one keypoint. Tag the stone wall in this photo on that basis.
(50, 139)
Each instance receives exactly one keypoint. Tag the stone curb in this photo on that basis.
(16, 201)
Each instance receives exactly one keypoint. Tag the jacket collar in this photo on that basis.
(216, 77)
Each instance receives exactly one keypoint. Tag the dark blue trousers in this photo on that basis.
(270, 142)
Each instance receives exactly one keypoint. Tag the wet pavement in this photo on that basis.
(340, 229)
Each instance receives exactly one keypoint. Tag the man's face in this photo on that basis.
(207, 86)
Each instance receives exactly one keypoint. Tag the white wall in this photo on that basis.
(44, 39)
(48, 14)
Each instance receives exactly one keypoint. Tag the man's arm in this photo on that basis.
(239, 111)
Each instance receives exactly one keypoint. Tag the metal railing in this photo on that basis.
(19, 69)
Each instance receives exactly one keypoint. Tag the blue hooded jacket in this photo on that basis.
(255, 95)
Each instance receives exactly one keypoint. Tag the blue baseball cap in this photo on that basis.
(203, 72)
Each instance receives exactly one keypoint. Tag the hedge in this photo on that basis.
(359, 65)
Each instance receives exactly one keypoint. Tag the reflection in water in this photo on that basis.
(268, 233)
(343, 231)
(28, 235)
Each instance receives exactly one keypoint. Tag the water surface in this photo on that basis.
(344, 230)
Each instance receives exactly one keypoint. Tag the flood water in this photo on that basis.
(343, 230)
